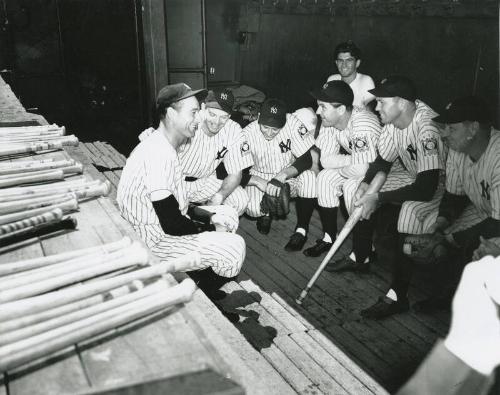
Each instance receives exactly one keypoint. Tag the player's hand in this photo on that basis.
(273, 190)
(360, 191)
(369, 202)
(487, 247)
(440, 225)
(259, 182)
(224, 218)
(216, 200)
(474, 335)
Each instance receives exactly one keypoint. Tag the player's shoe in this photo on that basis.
(264, 224)
(319, 248)
(386, 307)
(348, 265)
(296, 242)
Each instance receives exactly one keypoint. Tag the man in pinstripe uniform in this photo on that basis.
(409, 134)
(470, 208)
(279, 145)
(217, 143)
(151, 194)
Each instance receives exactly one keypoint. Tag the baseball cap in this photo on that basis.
(173, 93)
(468, 108)
(396, 85)
(335, 92)
(221, 99)
(273, 113)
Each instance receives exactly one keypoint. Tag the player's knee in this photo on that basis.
(253, 209)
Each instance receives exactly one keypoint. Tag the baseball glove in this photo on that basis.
(276, 206)
(427, 248)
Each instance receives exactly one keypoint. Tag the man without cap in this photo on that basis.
(151, 194)
(280, 148)
(347, 59)
(356, 131)
(409, 134)
(218, 142)
(469, 212)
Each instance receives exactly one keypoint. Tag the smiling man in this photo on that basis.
(347, 59)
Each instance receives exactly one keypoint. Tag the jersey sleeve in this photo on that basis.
(327, 141)
(160, 171)
(302, 140)
(430, 148)
(245, 147)
(238, 157)
(453, 178)
(366, 132)
(386, 147)
(495, 190)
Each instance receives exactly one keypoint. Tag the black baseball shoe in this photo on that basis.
(319, 248)
(264, 224)
(296, 242)
(385, 307)
(346, 264)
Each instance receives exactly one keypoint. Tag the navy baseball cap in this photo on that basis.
(220, 99)
(273, 113)
(173, 93)
(396, 86)
(335, 92)
(468, 108)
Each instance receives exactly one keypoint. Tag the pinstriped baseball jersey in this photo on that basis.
(359, 138)
(419, 145)
(201, 155)
(480, 180)
(272, 156)
(151, 173)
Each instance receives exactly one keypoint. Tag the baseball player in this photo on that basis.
(347, 59)
(355, 130)
(151, 194)
(472, 176)
(410, 134)
(280, 148)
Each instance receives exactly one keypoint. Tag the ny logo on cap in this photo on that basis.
(325, 85)
(223, 96)
(448, 106)
(383, 81)
(274, 110)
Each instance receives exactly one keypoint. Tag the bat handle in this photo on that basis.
(302, 296)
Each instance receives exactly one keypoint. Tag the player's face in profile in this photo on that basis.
(215, 119)
(186, 119)
(388, 109)
(328, 113)
(346, 64)
(457, 136)
(269, 132)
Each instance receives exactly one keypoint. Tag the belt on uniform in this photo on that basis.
(190, 179)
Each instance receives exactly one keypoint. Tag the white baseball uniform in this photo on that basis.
(201, 155)
(359, 139)
(360, 87)
(420, 148)
(152, 173)
(272, 156)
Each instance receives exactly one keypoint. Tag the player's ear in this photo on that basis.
(341, 110)
(358, 62)
(474, 128)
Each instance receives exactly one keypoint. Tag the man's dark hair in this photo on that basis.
(350, 47)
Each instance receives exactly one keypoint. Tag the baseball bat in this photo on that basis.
(30, 167)
(38, 231)
(66, 206)
(43, 176)
(46, 138)
(25, 129)
(49, 215)
(26, 332)
(55, 187)
(136, 256)
(46, 315)
(70, 256)
(28, 148)
(38, 303)
(74, 168)
(4, 166)
(377, 183)
(29, 204)
(27, 350)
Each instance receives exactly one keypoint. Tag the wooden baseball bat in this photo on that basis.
(50, 215)
(55, 187)
(28, 148)
(26, 332)
(70, 256)
(25, 129)
(43, 176)
(17, 135)
(136, 256)
(55, 225)
(66, 206)
(30, 204)
(26, 350)
(45, 315)
(25, 163)
(38, 303)
(20, 167)
(34, 138)
(377, 183)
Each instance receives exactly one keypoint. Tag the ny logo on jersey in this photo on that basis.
(412, 151)
(485, 190)
(221, 153)
(285, 147)
(274, 110)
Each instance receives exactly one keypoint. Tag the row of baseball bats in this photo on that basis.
(50, 303)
